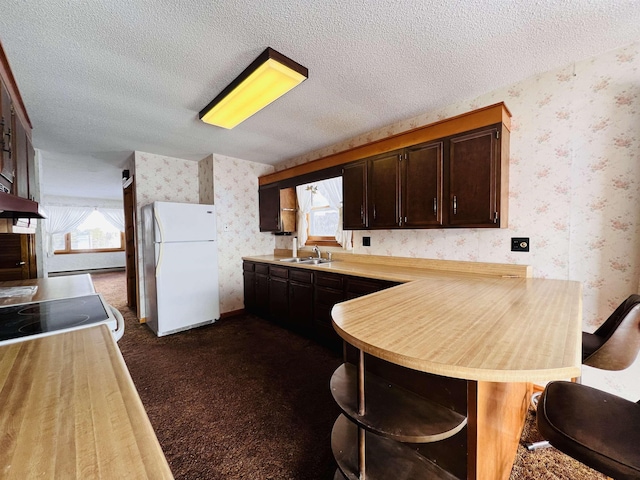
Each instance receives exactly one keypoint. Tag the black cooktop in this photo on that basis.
(50, 315)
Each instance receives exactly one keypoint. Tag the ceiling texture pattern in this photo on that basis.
(103, 78)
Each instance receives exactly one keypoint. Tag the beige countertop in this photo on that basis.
(463, 325)
(70, 410)
(69, 406)
(51, 288)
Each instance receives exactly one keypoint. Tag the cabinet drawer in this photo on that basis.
(328, 296)
(248, 266)
(281, 272)
(329, 280)
(262, 268)
(302, 276)
(363, 286)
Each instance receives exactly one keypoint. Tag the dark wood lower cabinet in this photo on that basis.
(262, 291)
(301, 299)
(17, 257)
(279, 299)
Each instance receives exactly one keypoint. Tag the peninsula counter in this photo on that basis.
(469, 344)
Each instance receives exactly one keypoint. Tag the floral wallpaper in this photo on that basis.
(160, 178)
(232, 185)
(574, 188)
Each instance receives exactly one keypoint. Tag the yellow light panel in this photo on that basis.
(268, 82)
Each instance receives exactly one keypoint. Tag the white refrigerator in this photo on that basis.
(180, 256)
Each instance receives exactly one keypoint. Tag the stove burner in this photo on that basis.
(36, 326)
(48, 316)
(36, 309)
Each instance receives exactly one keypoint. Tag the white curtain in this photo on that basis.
(305, 202)
(331, 189)
(115, 216)
(63, 220)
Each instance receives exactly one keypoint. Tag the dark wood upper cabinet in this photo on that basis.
(384, 190)
(474, 174)
(21, 157)
(277, 209)
(422, 179)
(458, 179)
(354, 196)
(7, 165)
(269, 201)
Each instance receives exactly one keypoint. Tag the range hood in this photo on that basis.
(12, 206)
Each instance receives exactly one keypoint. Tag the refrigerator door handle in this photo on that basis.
(159, 264)
(159, 224)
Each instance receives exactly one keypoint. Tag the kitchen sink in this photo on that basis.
(316, 261)
(306, 260)
(296, 259)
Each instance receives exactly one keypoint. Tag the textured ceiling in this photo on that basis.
(103, 78)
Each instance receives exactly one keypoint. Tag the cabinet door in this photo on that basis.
(262, 295)
(20, 154)
(301, 306)
(249, 278)
(279, 299)
(269, 204)
(473, 179)
(6, 160)
(31, 167)
(384, 191)
(17, 257)
(354, 196)
(422, 186)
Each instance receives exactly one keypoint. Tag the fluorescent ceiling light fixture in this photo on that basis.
(270, 76)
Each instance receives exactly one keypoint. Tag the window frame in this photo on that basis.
(320, 240)
(68, 250)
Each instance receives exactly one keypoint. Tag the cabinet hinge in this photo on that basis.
(495, 217)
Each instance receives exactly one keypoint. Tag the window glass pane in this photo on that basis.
(323, 222)
(95, 233)
(58, 241)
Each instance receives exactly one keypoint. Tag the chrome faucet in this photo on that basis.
(317, 250)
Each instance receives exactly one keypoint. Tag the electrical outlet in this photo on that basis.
(366, 241)
(520, 244)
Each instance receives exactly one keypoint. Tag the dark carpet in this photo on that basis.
(245, 399)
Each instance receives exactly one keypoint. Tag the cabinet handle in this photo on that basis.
(435, 206)
(7, 142)
(362, 214)
(276, 221)
(19, 264)
(374, 212)
(455, 205)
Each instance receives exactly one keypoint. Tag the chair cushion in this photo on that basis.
(590, 343)
(594, 427)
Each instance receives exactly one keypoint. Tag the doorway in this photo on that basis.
(130, 242)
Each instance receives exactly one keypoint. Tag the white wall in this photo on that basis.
(85, 261)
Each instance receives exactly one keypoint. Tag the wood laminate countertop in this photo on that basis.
(70, 410)
(51, 288)
(460, 325)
